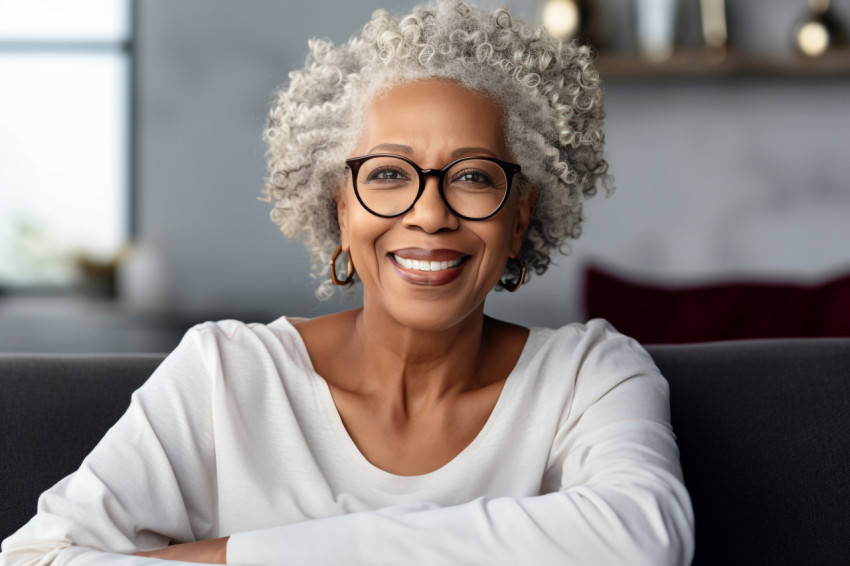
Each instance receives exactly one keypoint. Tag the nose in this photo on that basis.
(430, 212)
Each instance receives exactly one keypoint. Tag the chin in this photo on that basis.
(430, 313)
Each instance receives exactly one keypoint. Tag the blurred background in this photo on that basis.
(131, 162)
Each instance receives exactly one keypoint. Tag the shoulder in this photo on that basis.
(231, 350)
(328, 343)
(590, 358)
(235, 333)
(242, 341)
(595, 342)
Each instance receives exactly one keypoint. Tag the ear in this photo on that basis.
(526, 204)
(341, 200)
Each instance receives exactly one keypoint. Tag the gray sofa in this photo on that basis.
(763, 428)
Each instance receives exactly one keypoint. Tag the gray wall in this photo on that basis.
(715, 178)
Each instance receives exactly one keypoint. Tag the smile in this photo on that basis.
(425, 265)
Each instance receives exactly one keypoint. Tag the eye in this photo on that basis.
(388, 174)
(472, 177)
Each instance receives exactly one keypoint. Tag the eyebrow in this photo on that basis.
(456, 154)
(392, 147)
(462, 151)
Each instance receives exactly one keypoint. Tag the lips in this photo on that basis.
(428, 267)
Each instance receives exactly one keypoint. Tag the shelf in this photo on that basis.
(699, 65)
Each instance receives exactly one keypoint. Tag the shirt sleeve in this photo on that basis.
(621, 498)
(149, 481)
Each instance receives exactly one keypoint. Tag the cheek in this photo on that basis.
(362, 233)
(498, 243)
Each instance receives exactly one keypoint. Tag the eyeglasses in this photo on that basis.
(473, 188)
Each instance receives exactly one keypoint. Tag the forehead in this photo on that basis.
(434, 115)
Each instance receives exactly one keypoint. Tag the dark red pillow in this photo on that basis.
(662, 313)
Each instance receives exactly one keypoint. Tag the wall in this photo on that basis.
(715, 178)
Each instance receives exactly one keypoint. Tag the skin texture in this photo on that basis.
(417, 371)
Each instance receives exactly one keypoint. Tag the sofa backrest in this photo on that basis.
(763, 429)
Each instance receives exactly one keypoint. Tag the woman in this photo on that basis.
(432, 158)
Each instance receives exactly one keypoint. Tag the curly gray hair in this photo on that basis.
(548, 88)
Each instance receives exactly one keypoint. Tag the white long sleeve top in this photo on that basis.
(235, 434)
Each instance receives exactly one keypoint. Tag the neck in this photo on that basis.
(420, 364)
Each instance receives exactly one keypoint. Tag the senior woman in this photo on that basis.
(433, 158)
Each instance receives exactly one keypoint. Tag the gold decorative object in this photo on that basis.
(821, 31)
(572, 19)
(561, 18)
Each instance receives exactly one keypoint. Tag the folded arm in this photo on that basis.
(621, 501)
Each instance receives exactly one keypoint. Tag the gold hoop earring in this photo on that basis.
(349, 277)
(513, 286)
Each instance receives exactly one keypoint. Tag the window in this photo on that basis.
(65, 71)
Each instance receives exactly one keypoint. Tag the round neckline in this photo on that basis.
(353, 454)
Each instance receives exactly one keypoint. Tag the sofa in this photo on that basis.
(763, 427)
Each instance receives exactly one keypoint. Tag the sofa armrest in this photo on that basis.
(53, 411)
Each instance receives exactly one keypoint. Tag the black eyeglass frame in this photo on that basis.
(510, 169)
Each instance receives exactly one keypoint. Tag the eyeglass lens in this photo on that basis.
(474, 188)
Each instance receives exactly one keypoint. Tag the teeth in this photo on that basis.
(425, 265)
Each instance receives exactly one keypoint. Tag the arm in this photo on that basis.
(211, 551)
(619, 499)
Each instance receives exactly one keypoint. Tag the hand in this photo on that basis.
(212, 551)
